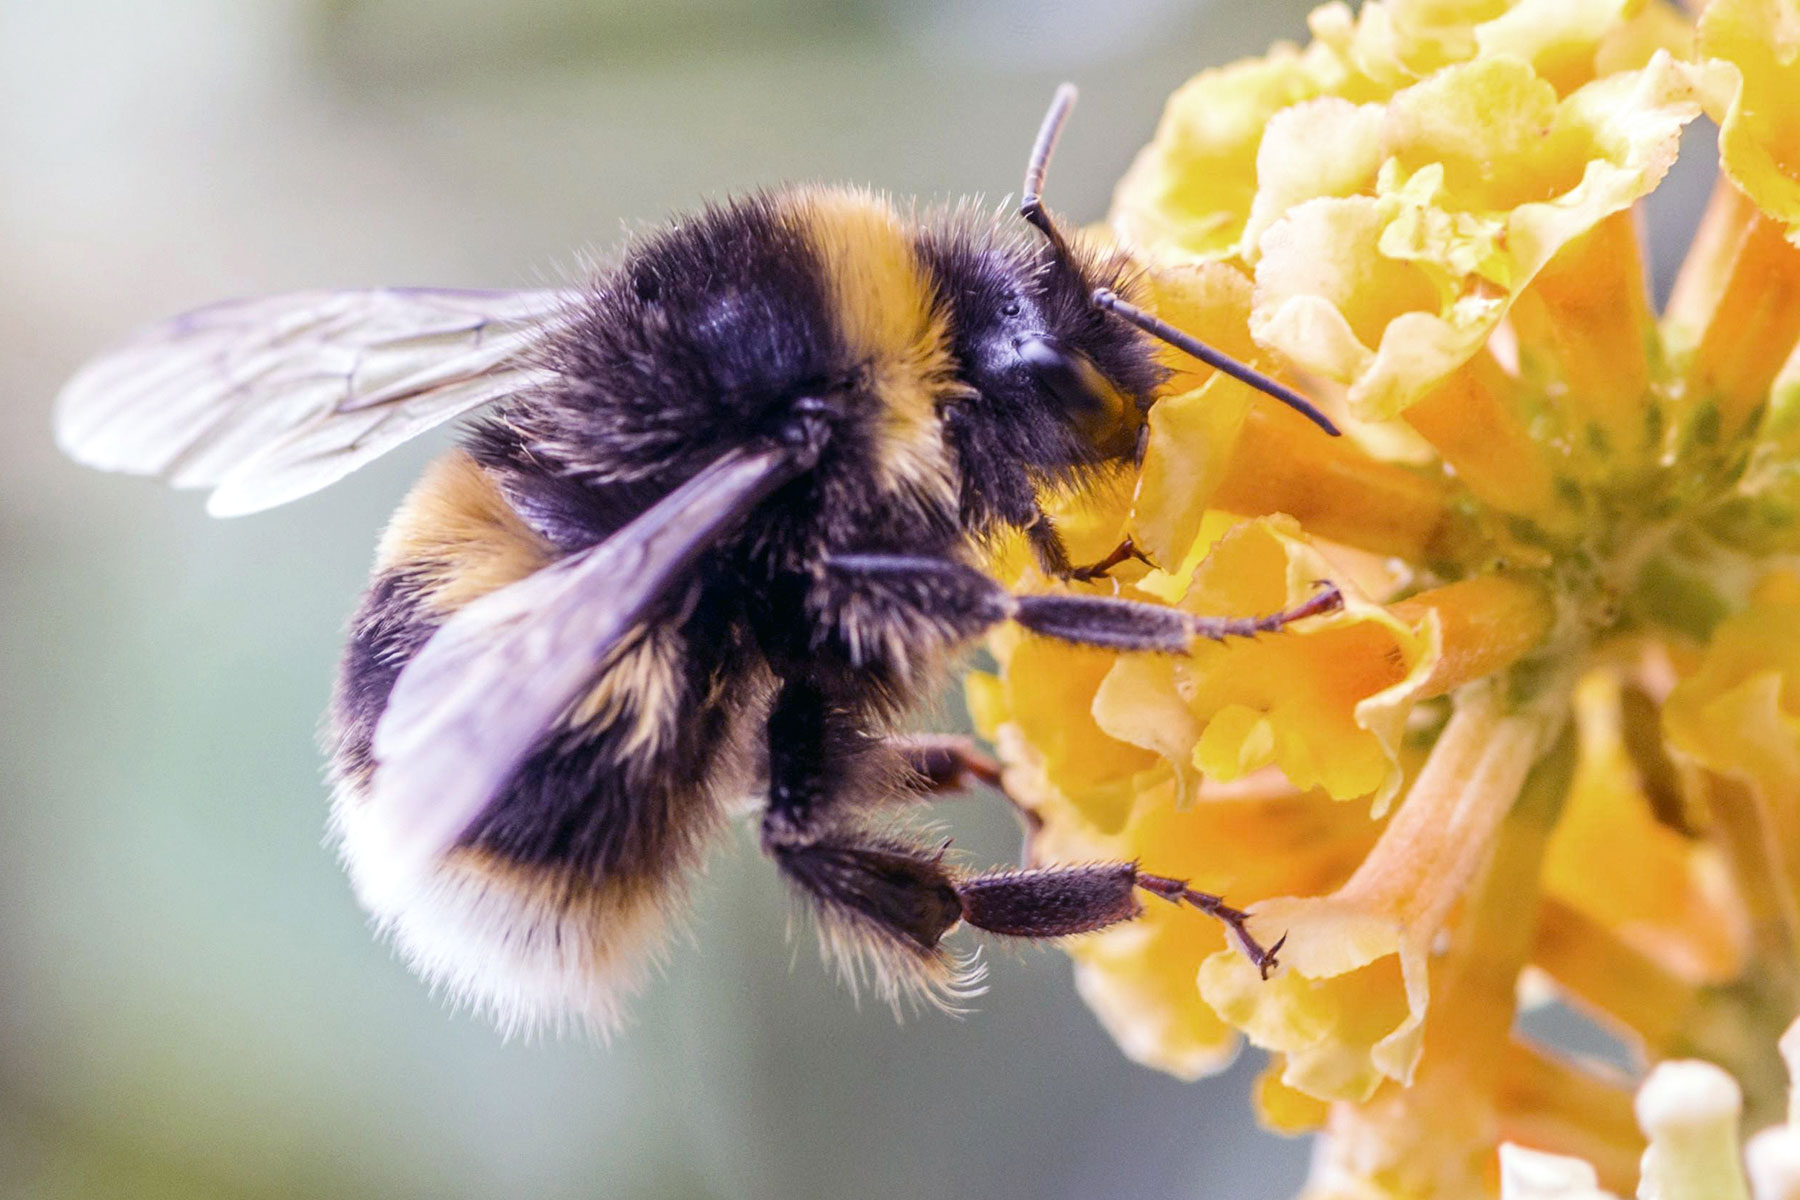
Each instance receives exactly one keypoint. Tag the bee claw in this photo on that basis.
(1268, 961)
(1235, 920)
(1102, 569)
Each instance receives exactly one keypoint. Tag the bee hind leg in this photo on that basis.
(1052, 902)
(885, 901)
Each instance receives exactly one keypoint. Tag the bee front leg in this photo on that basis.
(1126, 549)
(1053, 555)
(1129, 625)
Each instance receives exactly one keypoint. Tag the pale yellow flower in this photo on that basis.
(1690, 1113)
(1554, 730)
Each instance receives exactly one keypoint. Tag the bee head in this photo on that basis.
(1057, 369)
(1053, 382)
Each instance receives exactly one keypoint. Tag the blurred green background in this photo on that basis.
(190, 1003)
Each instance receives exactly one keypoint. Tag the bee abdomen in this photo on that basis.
(554, 902)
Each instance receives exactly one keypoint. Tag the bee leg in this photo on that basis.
(889, 896)
(946, 762)
(1098, 570)
(889, 901)
(1053, 555)
(1129, 625)
(908, 591)
(951, 763)
(1053, 902)
(1047, 546)
(882, 901)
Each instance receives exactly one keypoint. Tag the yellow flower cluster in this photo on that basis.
(1553, 734)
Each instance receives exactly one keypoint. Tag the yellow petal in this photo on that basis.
(1342, 1024)
(1588, 343)
(1328, 701)
(1561, 39)
(1468, 117)
(1599, 971)
(1621, 867)
(1390, 294)
(1323, 147)
(1739, 714)
(1759, 137)
(1733, 318)
(1245, 841)
(1347, 1010)
(1278, 463)
(1763, 519)
(1049, 696)
(1398, 42)
(1139, 702)
(1480, 419)
(1282, 1108)
(1327, 297)
(1435, 1135)
(1630, 44)
(1138, 978)
(1210, 300)
(1552, 1104)
(1189, 192)
(1298, 699)
(1483, 625)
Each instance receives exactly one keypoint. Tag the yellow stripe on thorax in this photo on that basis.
(882, 298)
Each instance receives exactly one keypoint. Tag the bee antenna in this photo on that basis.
(1031, 199)
(1107, 299)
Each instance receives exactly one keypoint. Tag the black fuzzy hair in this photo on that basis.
(1012, 437)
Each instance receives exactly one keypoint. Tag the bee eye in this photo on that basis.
(1087, 397)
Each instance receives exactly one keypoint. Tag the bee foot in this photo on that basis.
(1126, 549)
(1235, 920)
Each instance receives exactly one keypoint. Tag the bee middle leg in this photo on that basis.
(1101, 568)
(943, 763)
(917, 592)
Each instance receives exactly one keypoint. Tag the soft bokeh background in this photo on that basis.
(190, 1004)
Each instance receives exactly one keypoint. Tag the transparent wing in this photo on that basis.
(267, 400)
(478, 696)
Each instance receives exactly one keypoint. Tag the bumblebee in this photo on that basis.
(714, 534)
